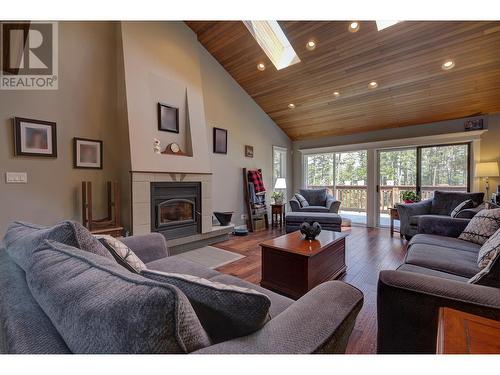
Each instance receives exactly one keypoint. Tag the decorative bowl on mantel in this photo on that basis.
(224, 217)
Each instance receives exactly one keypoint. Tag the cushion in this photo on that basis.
(431, 272)
(489, 250)
(482, 226)
(443, 241)
(320, 217)
(225, 311)
(302, 201)
(462, 206)
(279, 303)
(489, 275)
(97, 306)
(177, 264)
(443, 202)
(21, 239)
(122, 253)
(314, 209)
(444, 259)
(315, 197)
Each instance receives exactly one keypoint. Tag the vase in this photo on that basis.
(310, 231)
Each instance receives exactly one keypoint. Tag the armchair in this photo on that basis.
(318, 201)
(442, 204)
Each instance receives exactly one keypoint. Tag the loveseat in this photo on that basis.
(435, 273)
(441, 204)
(319, 322)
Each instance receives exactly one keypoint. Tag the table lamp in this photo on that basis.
(486, 170)
(280, 183)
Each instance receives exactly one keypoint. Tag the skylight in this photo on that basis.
(381, 25)
(273, 42)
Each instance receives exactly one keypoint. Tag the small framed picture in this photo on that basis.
(35, 137)
(220, 141)
(87, 153)
(476, 124)
(248, 151)
(168, 118)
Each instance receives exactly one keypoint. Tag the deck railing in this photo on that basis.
(353, 197)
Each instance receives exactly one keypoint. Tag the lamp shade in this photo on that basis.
(489, 169)
(280, 183)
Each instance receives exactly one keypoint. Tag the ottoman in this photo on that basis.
(327, 220)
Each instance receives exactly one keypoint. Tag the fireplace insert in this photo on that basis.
(176, 208)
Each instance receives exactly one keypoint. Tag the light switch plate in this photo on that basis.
(16, 177)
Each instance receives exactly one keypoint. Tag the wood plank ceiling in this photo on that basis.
(405, 60)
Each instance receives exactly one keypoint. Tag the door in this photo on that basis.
(397, 171)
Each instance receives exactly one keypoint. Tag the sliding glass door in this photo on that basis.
(422, 170)
(397, 173)
(344, 174)
(443, 167)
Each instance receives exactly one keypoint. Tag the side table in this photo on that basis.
(393, 213)
(277, 215)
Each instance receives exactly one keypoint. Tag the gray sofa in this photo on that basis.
(319, 322)
(435, 274)
(318, 199)
(442, 204)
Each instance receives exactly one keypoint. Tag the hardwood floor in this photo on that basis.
(368, 251)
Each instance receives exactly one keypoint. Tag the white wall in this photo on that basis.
(229, 107)
(83, 106)
(161, 65)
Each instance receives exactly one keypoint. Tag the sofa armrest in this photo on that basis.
(332, 204)
(407, 210)
(408, 305)
(319, 322)
(294, 205)
(442, 225)
(147, 247)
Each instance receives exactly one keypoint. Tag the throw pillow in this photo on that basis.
(482, 226)
(122, 253)
(225, 311)
(489, 275)
(21, 239)
(303, 202)
(462, 206)
(488, 250)
(99, 307)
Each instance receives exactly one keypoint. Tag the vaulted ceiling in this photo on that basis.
(405, 60)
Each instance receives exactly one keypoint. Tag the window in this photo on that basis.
(279, 163)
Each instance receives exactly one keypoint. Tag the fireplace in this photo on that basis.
(176, 208)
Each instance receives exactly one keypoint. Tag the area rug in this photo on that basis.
(210, 256)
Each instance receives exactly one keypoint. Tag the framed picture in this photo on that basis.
(474, 124)
(248, 151)
(35, 137)
(220, 141)
(87, 153)
(168, 118)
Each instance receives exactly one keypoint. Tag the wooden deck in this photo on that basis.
(368, 251)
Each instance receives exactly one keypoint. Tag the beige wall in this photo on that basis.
(489, 145)
(84, 106)
(161, 65)
(229, 107)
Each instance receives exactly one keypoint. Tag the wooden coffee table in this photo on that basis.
(293, 266)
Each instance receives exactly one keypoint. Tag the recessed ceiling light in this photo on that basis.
(373, 85)
(336, 94)
(311, 45)
(354, 26)
(291, 106)
(261, 66)
(448, 64)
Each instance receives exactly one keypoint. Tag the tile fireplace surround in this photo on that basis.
(141, 197)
